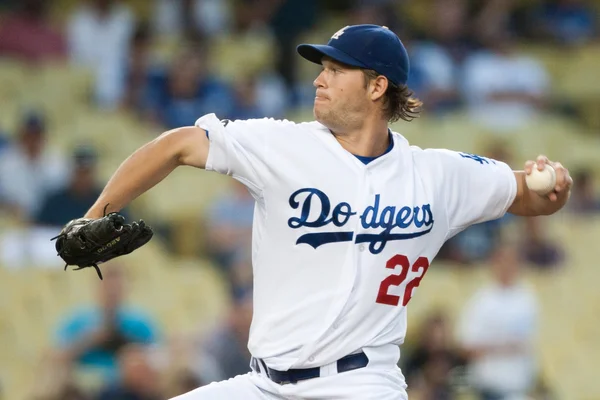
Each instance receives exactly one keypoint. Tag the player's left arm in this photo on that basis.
(528, 203)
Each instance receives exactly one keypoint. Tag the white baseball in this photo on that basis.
(542, 182)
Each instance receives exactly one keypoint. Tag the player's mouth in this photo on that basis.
(320, 97)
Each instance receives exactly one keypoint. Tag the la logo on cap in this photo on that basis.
(339, 33)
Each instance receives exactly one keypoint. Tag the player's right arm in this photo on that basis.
(150, 164)
(476, 189)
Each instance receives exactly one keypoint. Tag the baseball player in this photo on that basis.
(348, 219)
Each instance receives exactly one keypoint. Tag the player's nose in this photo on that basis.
(319, 81)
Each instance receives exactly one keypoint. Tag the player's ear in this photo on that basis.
(378, 87)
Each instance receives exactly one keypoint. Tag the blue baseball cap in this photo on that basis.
(366, 46)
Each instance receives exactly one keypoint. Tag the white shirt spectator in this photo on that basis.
(439, 70)
(497, 316)
(25, 182)
(486, 74)
(102, 42)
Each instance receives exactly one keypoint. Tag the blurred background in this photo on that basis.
(508, 311)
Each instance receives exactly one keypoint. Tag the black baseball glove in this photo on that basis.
(88, 242)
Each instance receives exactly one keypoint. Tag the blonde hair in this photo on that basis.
(398, 102)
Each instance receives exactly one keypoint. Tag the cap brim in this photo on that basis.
(315, 52)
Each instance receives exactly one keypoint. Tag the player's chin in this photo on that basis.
(319, 112)
(316, 113)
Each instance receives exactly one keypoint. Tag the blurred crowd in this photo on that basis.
(463, 55)
(463, 58)
(493, 347)
(489, 350)
(128, 357)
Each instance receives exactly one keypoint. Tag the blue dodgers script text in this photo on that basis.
(374, 216)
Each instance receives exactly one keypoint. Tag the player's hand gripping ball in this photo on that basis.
(547, 178)
(88, 242)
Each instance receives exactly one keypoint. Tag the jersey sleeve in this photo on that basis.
(476, 189)
(239, 148)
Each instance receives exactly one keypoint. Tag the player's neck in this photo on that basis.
(370, 140)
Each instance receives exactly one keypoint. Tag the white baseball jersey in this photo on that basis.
(340, 246)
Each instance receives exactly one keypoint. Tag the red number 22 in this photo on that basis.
(383, 297)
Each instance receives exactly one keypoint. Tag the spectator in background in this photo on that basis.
(138, 69)
(270, 94)
(139, 378)
(28, 35)
(474, 244)
(99, 34)
(191, 18)
(246, 101)
(567, 22)
(257, 95)
(497, 331)
(248, 53)
(240, 278)
(502, 88)
(73, 200)
(584, 196)
(91, 338)
(225, 353)
(230, 224)
(29, 171)
(176, 96)
(430, 365)
(378, 12)
(4, 141)
(438, 58)
(536, 248)
(287, 20)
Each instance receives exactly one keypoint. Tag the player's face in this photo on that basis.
(341, 97)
